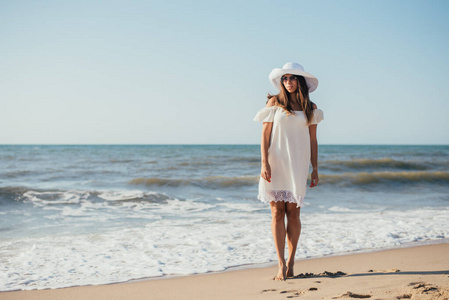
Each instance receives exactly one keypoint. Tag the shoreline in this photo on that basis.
(274, 263)
(390, 272)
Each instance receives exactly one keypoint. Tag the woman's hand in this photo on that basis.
(265, 172)
(314, 178)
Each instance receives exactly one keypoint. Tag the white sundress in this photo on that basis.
(288, 155)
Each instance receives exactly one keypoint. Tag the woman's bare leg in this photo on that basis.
(293, 232)
(278, 230)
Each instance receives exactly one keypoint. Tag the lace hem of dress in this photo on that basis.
(280, 196)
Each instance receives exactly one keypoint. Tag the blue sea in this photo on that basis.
(95, 214)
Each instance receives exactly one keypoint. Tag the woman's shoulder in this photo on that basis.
(267, 113)
(271, 102)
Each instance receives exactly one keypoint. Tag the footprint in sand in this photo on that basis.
(384, 271)
(424, 288)
(332, 274)
(289, 291)
(294, 293)
(325, 273)
(297, 293)
(353, 295)
(304, 275)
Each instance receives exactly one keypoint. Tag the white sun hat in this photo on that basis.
(294, 69)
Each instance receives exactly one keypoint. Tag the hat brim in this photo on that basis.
(276, 74)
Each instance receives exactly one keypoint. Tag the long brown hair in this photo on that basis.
(302, 93)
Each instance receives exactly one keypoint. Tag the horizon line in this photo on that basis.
(201, 144)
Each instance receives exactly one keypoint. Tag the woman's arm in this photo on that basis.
(265, 171)
(313, 155)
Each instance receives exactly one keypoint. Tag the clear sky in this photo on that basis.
(196, 72)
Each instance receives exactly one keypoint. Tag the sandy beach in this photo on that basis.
(420, 272)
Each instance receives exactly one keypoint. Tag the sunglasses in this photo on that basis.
(286, 78)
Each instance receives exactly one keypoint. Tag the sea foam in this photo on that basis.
(201, 242)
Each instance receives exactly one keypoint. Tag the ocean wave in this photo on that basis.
(7, 157)
(363, 178)
(255, 159)
(372, 164)
(121, 161)
(18, 173)
(344, 209)
(45, 198)
(353, 178)
(133, 196)
(220, 160)
(235, 157)
(49, 197)
(210, 182)
(12, 192)
(196, 163)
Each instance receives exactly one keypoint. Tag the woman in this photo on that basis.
(288, 145)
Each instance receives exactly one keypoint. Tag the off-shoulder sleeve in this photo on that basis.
(266, 114)
(317, 116)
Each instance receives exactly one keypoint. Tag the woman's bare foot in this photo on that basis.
(290, 272)
(281, 274)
